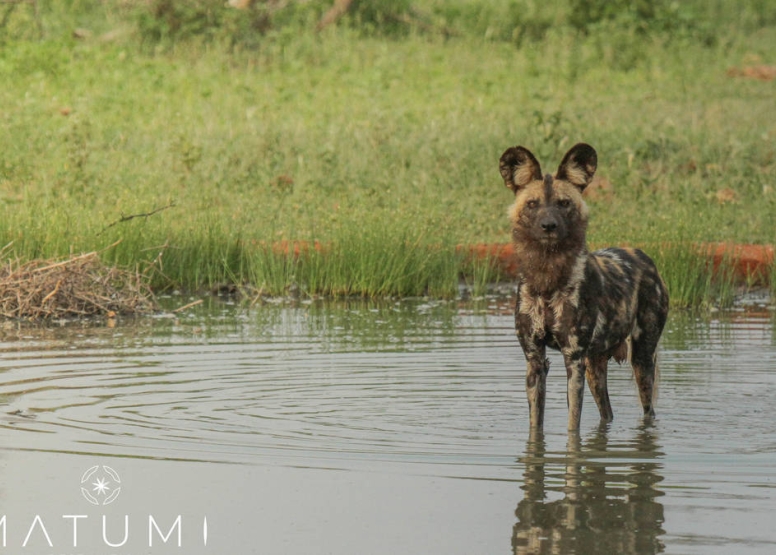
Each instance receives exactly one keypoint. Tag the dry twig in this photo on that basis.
(187, 306)
(123, 218)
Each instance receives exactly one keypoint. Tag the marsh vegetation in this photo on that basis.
(230, 131)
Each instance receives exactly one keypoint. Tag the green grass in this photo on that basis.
(689, 277)
(383, 146)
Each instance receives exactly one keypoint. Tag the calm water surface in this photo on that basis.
(375, 429)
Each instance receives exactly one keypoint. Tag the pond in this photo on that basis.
(375, 428)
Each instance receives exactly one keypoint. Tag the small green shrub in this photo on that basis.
(169, 22)
(381, 17)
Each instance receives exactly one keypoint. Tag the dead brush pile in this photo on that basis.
(75, 288)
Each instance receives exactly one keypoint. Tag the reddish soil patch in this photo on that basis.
(750, 263)
(759, 72)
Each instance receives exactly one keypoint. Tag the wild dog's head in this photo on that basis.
(549, 211)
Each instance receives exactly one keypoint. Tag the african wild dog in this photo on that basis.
(590, 306)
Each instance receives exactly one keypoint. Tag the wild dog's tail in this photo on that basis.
(623, 352)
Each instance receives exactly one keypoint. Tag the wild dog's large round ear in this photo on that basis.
(519, 167)
(579, 165)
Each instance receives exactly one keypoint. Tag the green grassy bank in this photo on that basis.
(378, 136)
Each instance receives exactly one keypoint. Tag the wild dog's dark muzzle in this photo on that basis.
(548, 224)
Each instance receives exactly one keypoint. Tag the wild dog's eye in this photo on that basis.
(532, 204)
(564, 203)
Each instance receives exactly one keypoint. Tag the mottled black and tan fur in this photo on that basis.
(591, 306)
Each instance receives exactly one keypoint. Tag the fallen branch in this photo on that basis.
(133, 216)
(65, 262)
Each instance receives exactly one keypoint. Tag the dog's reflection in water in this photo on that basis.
(597, 497)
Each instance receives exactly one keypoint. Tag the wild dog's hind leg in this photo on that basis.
(595, 372)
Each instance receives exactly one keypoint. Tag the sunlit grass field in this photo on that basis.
(382, 147)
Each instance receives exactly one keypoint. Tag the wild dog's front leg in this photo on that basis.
(575, 374)
(530, 333)
(536, 385)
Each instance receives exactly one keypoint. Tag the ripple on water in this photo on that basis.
(291, 384)
(409, 389)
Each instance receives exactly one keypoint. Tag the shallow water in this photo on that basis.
(375, 428)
